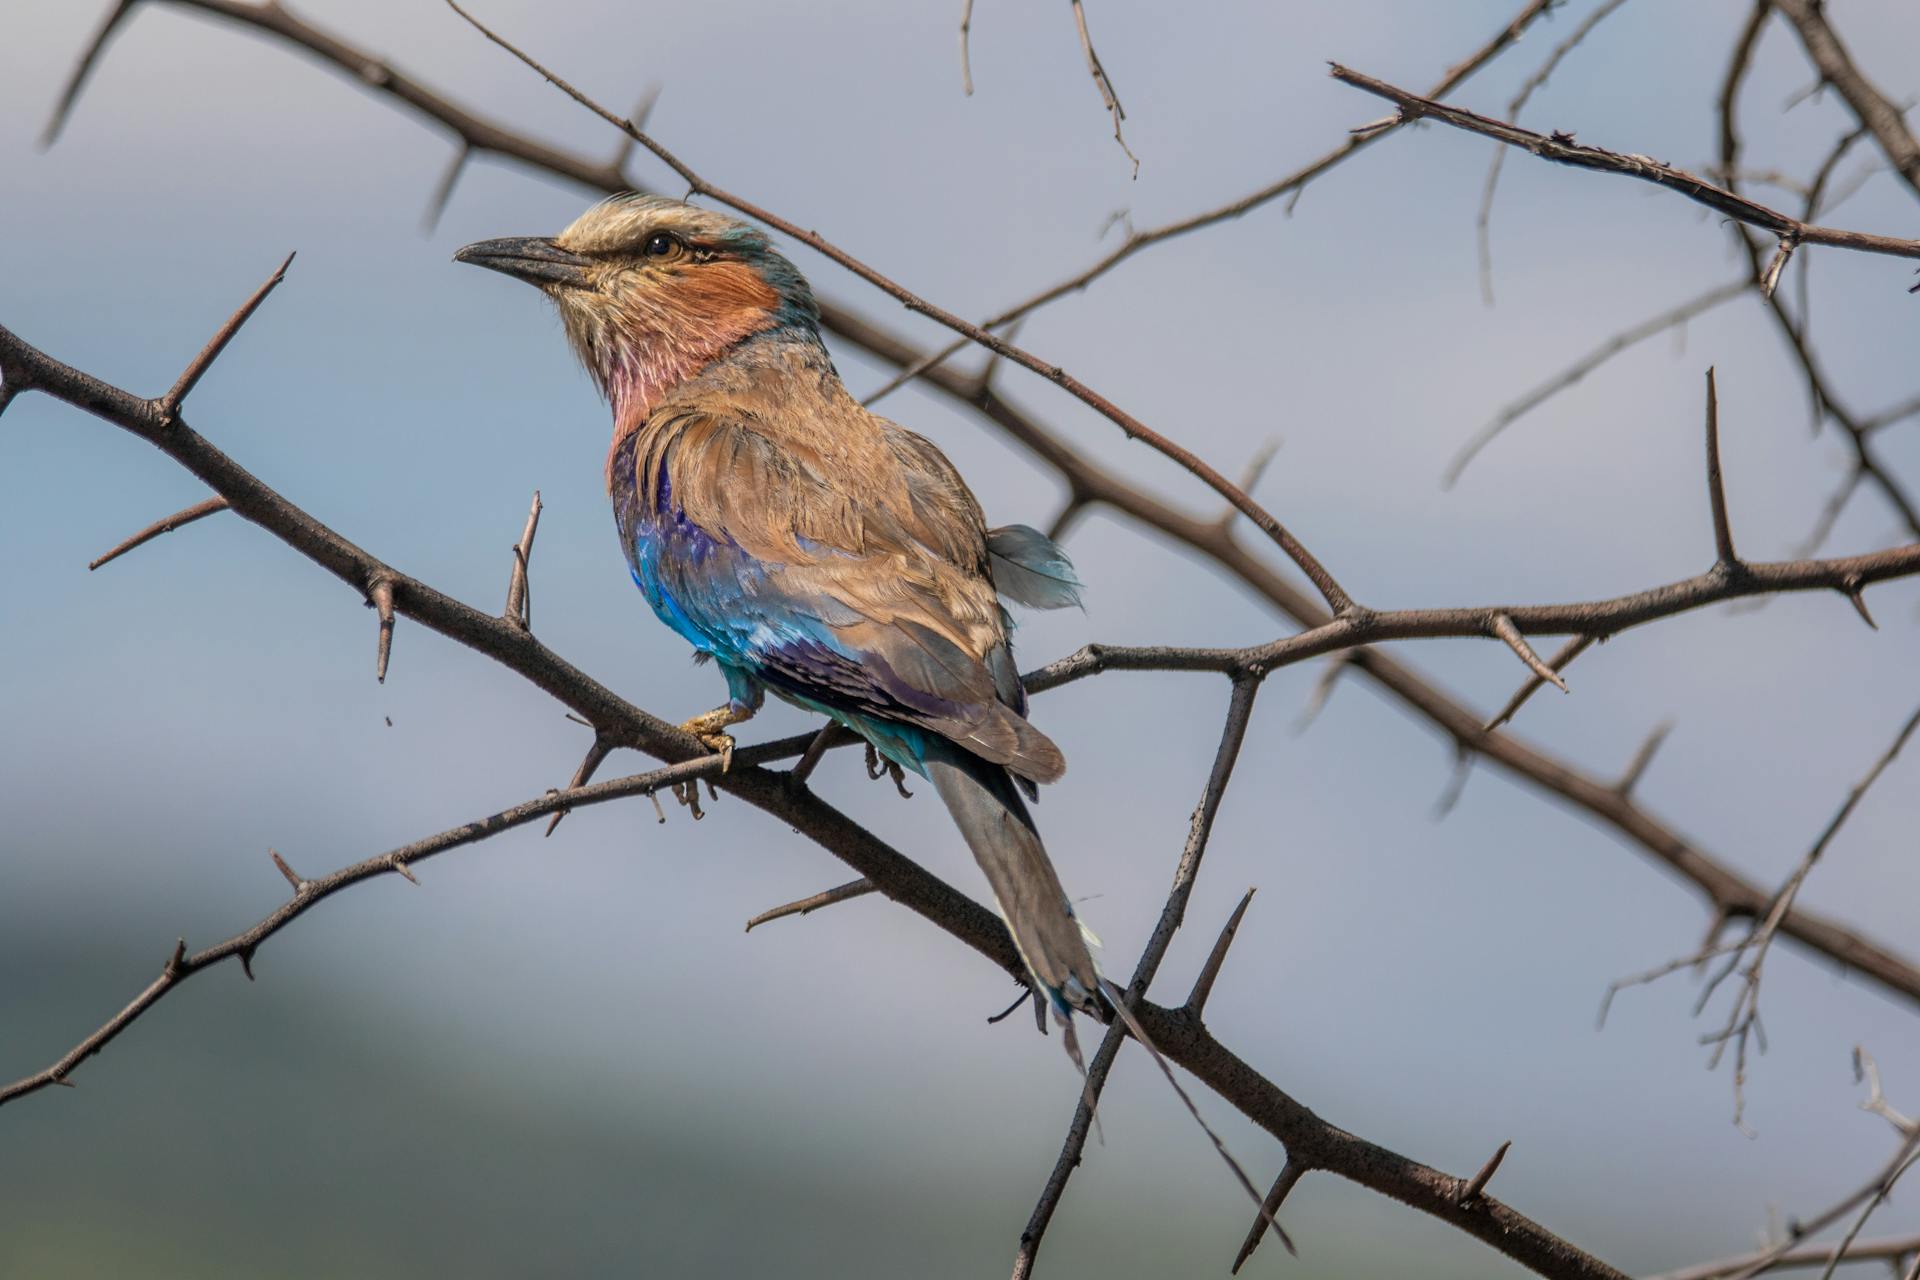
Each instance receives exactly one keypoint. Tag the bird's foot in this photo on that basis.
(721, 744)
(710, 727)
(878, 767)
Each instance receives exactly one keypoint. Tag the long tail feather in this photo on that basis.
(997, 827)
(1118, 998)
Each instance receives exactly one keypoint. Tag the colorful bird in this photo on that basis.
(806, 545)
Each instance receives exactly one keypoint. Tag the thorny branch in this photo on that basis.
(1876, 113)
(1092, 486)
(1172, 915)
(1825, 402)
(1562, 149)
(1747, 955)
(1330, 590)
(1528, 88)
(1801, 1257)
(1311, 1142)
(166, 524)
(1573, 373)
(1291, 184)
(1861, 1202)
(1109, 98)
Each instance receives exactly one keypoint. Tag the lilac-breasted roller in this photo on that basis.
(804, 544)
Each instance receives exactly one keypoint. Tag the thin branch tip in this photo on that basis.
(808, 905)
(380, 595)
(1290, 1174)
(199, 510)
(1477, 1184)
(1724, 554)
(167, 407)
(1503, 627)
(1210, 971)
(293, 878)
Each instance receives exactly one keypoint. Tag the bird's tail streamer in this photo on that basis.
(1118, 999)
(1000, 832)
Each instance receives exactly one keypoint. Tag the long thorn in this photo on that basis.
(169, 404)
(198, 511)
(1716, 489)
(1503, 627)
(1210, 971)
(825, 898)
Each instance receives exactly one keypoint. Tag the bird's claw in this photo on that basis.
(721, 743)
(878, 767)
(710, 729)
(688, 795)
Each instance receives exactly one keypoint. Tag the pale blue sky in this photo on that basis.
(567, 1053)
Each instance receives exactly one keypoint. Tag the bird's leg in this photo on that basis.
(711, 728)
(879, 767)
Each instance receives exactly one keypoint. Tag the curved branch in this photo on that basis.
(1723, 887)
(1562, 149)
(1092, 484)
(1330, 590)
(1872, 108)
(1310, 1141)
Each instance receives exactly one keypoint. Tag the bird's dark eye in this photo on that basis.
(661, 245)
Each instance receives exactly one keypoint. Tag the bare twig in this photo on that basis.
(1724, 555)
(597, 753)
(1875, 111)
(300, 886)
(1478, 1183)
(1200, 829)
(1637, 767)
(1456, 787)
(966, 56)
(1336, 596)
(832, 734)
(825, 898)
(1747, 955)
(519, 608)
(1187, 1042)
(1502, 626)
(380, 596)
(169, 404)
(1821, 396)
(1108, 98)
(1291, 184)
(1798, 1257)
(309, 893)
(198, 511)
(1562, 149)
(23, 366)
(70, 93)
(1567, 652)
(1290, 1174)
(1742, 1018)
(1585, 365)
(1210, 971)
(1866, 1071)
(1322, 690)
(1091, 484)
(1526, 91)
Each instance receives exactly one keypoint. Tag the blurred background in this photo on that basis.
(565, 1056)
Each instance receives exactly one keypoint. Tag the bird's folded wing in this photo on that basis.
(851, 578)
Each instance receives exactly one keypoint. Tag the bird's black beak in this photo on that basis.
(534, 259)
